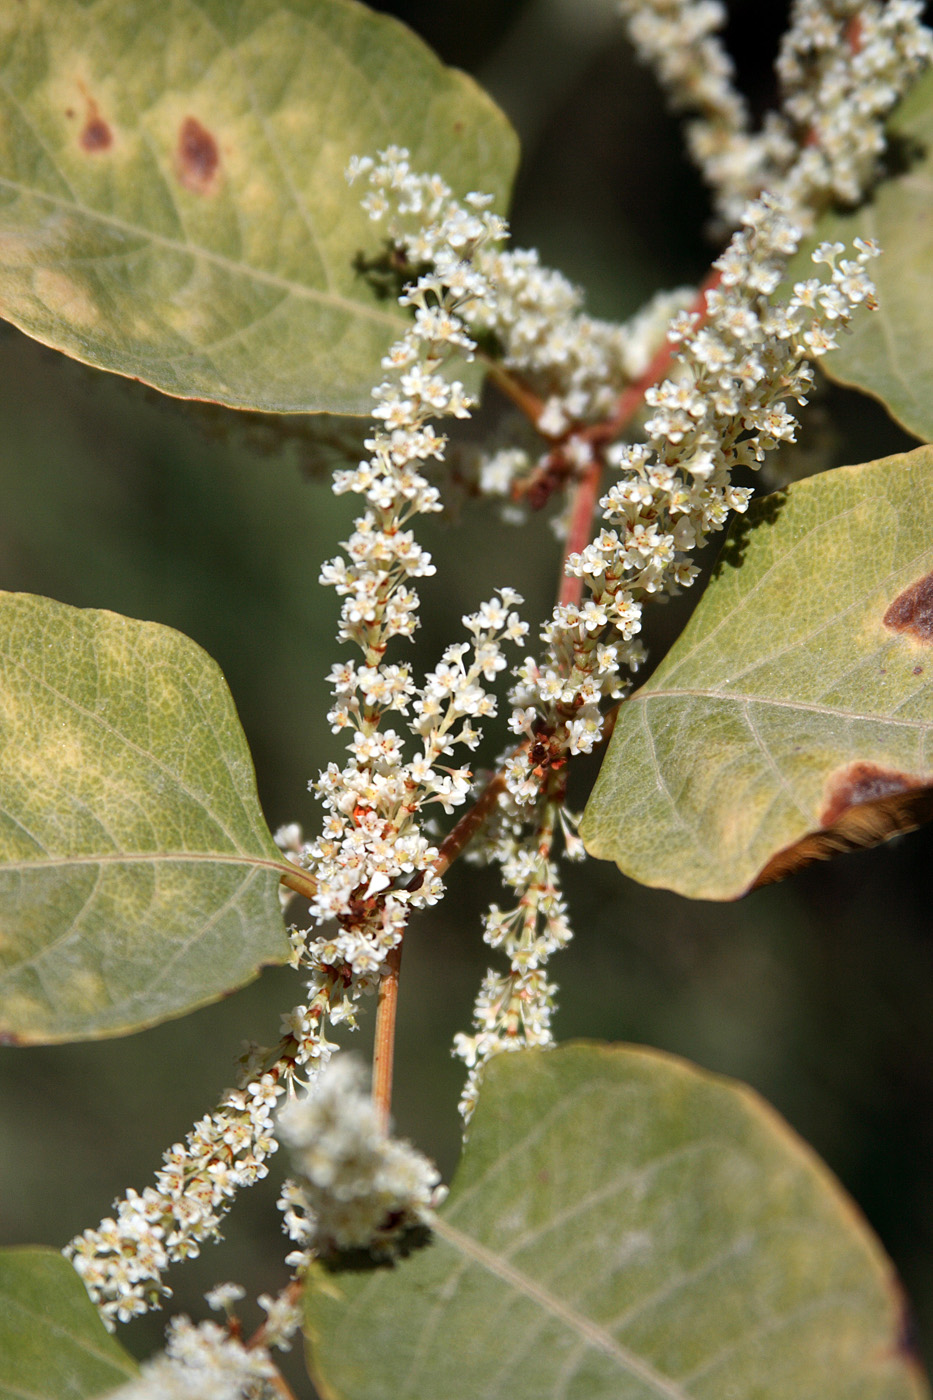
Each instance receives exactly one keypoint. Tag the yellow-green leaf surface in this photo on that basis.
(890, 354)
(53, 1345)
(622, 1226)
(794, 716)
(137, 876)
(172, 196)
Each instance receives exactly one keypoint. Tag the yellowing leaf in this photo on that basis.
(172, 196)
(137, 876)
(794, 716)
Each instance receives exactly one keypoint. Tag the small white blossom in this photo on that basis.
(283, 1318)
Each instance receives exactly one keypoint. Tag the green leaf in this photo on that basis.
(627, 1227)
(793, 717)
(890, 354)
(53, 1345)
(137, 876)
(172, 196)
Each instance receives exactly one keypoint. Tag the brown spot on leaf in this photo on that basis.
(917, 671)
(858, 784)
(865, 782)
(912, 611)
(96, 135)
(865, 804)
(197, 157)
(8, 1038)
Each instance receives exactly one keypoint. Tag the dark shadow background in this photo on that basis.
(817, 992)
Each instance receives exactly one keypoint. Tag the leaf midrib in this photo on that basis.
(242, 269)
(577, 1322)
(180, 857)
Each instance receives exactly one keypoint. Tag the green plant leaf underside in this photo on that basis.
(172, 196)
(137, 876)
(794, 716)
(622, 1226)
(891, 353)
(53, 1345)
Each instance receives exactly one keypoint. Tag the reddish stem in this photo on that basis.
(457, 839)
(524, 398)
(627, 405)
(558, 465)
(386, 1010)
(586, 495)
(384, 1048)
(258, 1339)
(630, 400)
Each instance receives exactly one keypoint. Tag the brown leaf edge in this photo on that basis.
(866, 803)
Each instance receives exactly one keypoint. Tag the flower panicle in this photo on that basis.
(725, 404)
(842, 67)
(123, 1260)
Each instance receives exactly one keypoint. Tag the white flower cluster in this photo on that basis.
(122, 1261)
(283, 1312)
(843, 65)
(574, 364)
(372, 863)
(203, 1362)
(725, 405)
(680, 40)
(357, 1187)
(513, 1009)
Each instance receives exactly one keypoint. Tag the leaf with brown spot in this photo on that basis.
(173, 201)
(96, 135)
(792, 719)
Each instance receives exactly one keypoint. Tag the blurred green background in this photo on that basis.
(817, 992)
